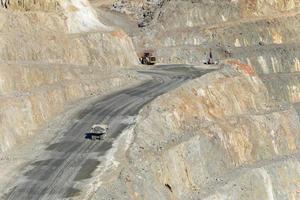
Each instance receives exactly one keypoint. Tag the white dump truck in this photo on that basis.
(97, 132)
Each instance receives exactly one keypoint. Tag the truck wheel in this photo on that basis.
(144, 61)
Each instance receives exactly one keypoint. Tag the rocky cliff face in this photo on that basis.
(267, 7)
(44, 67)
(142, 11)
(232, 134)
(31, 5)
(266, 39)
(218, 137)
(200, 10)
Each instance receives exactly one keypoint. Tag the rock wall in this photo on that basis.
(81, 17)
(267, 7)
(197, 26)
(197, 13)
(143, 11)
(32, 94)
(44, 68)
(232, 134)
(266, 39)
(220, 136)
(31, 5)
(200, 12)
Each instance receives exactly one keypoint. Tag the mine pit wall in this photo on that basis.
(234, 34)
(93, 48)
(43, 69)
(197, 14)
(226, 36)
(33, 95)
(268, 44)
(217, 137)
(32, 5)
(200, 12)
(278, 67)
(22, 22)
(226, 135)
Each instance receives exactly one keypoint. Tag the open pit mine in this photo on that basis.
(150, 99)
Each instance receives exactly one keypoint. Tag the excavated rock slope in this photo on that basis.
(44, 67)
(231, 134)
(220, 136)
(32, 5)
(263, 34)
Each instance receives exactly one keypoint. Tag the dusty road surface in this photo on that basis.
(72, 158)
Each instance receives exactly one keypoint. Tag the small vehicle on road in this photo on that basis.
(97, 132)
(148, 59)
(210, 60)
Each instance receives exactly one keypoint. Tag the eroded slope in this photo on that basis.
(263, 34)
(220, 136)
(50, 59)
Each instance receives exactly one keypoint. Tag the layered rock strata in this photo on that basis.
(44, 67)
(220, 136)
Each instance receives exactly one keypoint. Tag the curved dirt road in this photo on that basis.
(74, 158)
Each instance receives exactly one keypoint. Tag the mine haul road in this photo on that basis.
(73, 158)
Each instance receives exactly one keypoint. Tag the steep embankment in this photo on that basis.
(217, 25)
(263, 34)
(232, 134)
(44, 66)
(220, 136)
